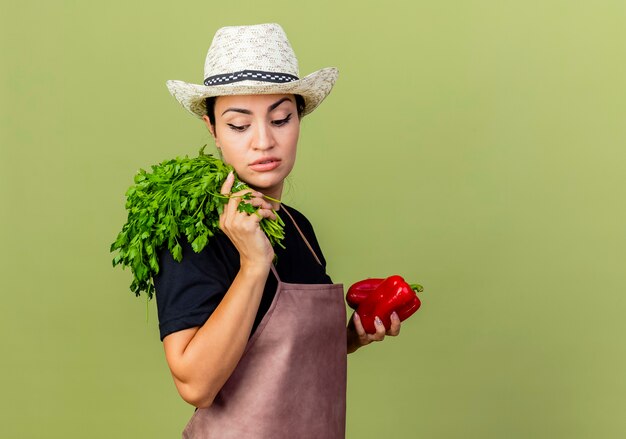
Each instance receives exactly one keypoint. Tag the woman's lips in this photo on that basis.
(265, 165)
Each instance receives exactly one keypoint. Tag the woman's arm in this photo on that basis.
(201, 359)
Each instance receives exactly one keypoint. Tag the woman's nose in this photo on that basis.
(263, 138)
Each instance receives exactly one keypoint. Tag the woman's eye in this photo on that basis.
(237, 127)
(281, 122)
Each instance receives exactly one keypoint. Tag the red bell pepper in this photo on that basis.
(381, 297)
(359, 291)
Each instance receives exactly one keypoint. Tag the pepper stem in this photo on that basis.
(417, 288)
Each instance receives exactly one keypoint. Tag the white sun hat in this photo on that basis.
(248, 60)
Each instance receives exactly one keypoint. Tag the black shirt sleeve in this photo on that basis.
(188, 292)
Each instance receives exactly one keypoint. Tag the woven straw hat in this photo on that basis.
(258, 59)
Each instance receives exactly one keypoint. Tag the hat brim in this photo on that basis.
(313, 88)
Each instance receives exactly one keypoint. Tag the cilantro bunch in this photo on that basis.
(179, 197)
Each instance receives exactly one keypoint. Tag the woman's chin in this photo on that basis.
(265, 181)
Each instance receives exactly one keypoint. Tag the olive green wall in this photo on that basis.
(474, 146)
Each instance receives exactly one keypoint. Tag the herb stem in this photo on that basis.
(273, 199)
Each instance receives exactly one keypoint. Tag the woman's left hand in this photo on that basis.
(357, 337)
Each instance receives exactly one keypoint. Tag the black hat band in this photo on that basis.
(257, 75)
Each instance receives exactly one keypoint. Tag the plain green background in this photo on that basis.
(474, 146)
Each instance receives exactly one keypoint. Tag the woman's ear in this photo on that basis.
(207, 122)
(211, 128)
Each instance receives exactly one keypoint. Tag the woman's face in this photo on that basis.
(258, 135)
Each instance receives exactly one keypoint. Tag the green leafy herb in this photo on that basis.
(180, 197)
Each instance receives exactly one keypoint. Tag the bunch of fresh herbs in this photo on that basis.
(179, 197)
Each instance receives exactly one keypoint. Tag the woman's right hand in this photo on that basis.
(243, 229)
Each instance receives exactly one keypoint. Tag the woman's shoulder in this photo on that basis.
(188, 291)
(295, 241)
(298, 216)
(218, 247)
(302, 223)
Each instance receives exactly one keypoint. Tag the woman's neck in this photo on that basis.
(272, 195)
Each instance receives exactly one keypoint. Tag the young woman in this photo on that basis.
(258, 348)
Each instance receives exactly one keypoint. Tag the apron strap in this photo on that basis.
(275, 273)
(301, 234)
(305, 241)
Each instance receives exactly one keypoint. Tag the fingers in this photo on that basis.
(364, 337)
(358, 337)
(236, 198)
(358, 326)
(380, 330)
(395, 325)
(264, 207)
(228, 184)
(241, 224)
(230, 209)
